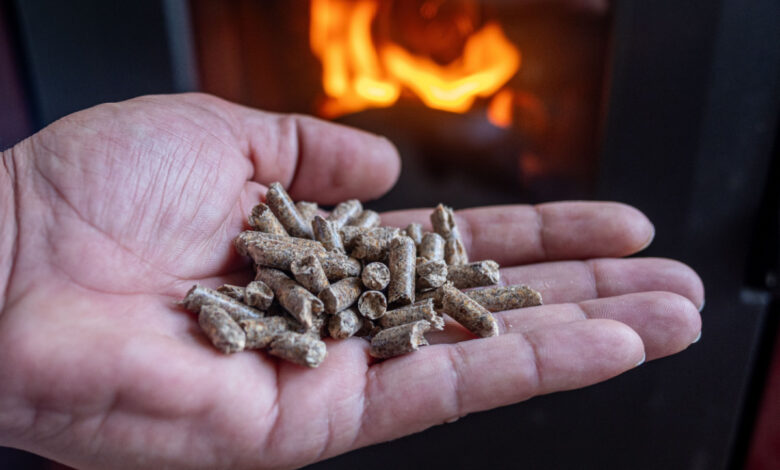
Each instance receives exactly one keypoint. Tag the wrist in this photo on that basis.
(8, 222)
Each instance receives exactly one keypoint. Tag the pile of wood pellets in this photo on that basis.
(346, 275)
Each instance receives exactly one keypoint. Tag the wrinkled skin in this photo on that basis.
(112, 213)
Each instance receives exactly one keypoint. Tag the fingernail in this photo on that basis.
(649, 240)
(642, 361)
(698, 337)
(701, 307)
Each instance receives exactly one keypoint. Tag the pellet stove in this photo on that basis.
(669, 106)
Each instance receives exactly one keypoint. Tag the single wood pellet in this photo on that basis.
(500, 298)
(344, 324)
(326, 233)
(263, 219)
(400, 290)
(257, 294)
(423, 310)
(225, 334)
(375, 276)
(399, 340)
(348, 270)
(430, 274)
(345, 212)
(309, 273)
(284, 210)
(372, 304)
(476, 274)
(341, 295)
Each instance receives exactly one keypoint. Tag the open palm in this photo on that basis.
(122, 207)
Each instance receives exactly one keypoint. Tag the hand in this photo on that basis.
(122, 207)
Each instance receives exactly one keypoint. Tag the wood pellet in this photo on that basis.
(345, 276)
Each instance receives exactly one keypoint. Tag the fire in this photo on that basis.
(359, 72)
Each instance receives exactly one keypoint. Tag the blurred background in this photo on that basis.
(671, 106)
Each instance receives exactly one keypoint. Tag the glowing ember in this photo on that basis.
(360, 73)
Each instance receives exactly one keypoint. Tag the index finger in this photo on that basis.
(520, 234)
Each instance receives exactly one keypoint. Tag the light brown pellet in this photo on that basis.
(301, 303)
(341, 294)
(307, 210)
(468, 312)
(415, 232)
(432, 246)
(411, 313)
(366, 219)
(298, 348)
(344, 324)
(399, 340)
(455, 252)
(284, 210)
(223, 332)
(476, 274)
(327, 234)
(258, 295)
(263, 219)
(400, 290)
(375, 276)
(319, 327)
(260, 333)
(345, 212)
(309, 273)
(198, 297)
(349, 234)
(234, 292)
(372, 304)
(500, 298)
(372, 246)
(430, 274)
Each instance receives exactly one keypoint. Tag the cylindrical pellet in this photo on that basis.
(430, 274)
(199, 296)
(415, 232)
(234, 292)
(476, 274)
(344, 324)
(349, 234)
(284, 210)
(468, 312)
(319, 327)
(260, 333)
(375, 276)
(309, 273)
(366, 219)
(301, 304)
(372, 246)
(411, 313)
(298, 348)
(259, 295)
(372, 304)
(345, 212)
(221, 329)
(327, 234)
(432, 246)
(443, 221)
(497, 299)
(264, 220)
(455, 252)
(399, 340)
(275, 252)
(341, 294)
(400, 291)
(307, 210)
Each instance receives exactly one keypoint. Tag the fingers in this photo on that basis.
(443, 382)
(514, 235)
(318, 160)
(574, 281)
(666, 322)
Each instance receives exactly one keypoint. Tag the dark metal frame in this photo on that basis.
(690, 121)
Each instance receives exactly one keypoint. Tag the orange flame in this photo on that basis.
(357, 73)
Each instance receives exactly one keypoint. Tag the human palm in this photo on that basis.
(122, 207)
